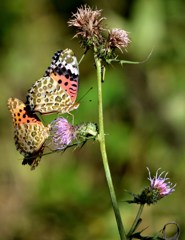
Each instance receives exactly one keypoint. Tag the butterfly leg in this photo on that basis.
(72, 116)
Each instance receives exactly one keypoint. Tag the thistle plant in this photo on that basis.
(159, 187)
(60, 134)
(103, 42)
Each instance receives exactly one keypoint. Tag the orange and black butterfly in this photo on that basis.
(57, 90)
(29, 132)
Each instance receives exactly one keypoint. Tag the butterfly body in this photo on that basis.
(29, 133)
(57, 90)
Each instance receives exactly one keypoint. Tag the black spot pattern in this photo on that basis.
(60, 81)
(53, 63)
(67, 76)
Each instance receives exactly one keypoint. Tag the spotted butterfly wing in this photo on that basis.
(57, 90)
(29, 133)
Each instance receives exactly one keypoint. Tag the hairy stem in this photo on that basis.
(101, 139)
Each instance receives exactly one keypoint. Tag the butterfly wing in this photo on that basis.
(29, 133)
(47, 96)
(57, 90)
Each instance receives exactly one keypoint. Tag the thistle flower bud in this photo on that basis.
(85, 131)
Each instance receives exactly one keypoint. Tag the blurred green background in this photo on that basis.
(66, 197)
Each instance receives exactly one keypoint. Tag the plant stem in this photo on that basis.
(101, 139)
(136, 221)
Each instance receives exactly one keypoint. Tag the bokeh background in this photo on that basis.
(66, 197)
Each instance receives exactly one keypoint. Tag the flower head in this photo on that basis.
(88, 22)
(62, 133)
(159, 188)
(160, 184)
(94, 36)
(118, 38)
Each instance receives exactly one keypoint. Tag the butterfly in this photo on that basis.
(29, 132)
(57, 90)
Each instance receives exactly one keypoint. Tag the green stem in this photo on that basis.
(136, 221)
(101, 139)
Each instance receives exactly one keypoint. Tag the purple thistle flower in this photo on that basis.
(160, 183)
(62, 133)
(159, 188)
